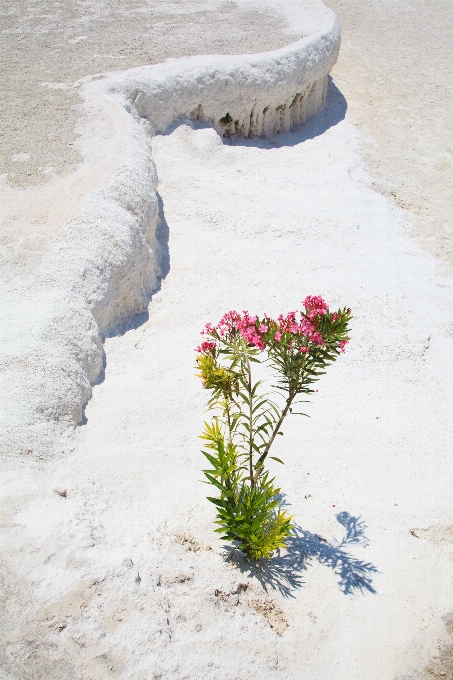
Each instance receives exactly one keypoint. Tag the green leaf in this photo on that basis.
(216, 501)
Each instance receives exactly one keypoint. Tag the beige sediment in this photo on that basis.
(396, 72)
(49, 48)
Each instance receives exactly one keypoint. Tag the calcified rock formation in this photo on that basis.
(237, 96)
(105, 264)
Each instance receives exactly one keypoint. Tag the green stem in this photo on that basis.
(249, 371)
(230, 437)
(278, 426)
(289, 401)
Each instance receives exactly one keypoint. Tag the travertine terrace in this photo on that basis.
(165, 162)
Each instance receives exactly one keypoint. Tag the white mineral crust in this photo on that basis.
(112, 568)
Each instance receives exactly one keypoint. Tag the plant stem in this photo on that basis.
(278, 426)
(249, 371)
(289, 401)
(229, 422)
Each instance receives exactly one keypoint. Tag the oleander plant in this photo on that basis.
(295, 348)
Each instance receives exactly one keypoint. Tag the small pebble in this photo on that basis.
(60, 491)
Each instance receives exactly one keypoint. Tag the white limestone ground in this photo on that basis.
(117, 577)
(104, 263)
(121, 573)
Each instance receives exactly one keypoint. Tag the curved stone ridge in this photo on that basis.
(105, 265)
(247, 95)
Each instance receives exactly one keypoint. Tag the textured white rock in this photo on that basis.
(249, 95)
(105, 265)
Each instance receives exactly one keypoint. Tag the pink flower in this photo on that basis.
(246, 325)
(343, 344)
(318, 339)
(288, 323)
(207, 329)
(206, 346)
(228, 323)
(302, 327)
(315, 306)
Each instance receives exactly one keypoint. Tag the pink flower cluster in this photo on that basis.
(248, 326)
(206, 346)
(315, 306)
(303, 326)
(227, 323)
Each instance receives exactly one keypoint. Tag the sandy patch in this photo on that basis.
(51, 45)
(51, 48)
(396, 72)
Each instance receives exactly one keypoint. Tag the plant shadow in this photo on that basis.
(284, 572)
